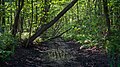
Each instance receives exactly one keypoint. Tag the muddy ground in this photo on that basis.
(35, 56)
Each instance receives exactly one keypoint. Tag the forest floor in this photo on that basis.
(35, 56)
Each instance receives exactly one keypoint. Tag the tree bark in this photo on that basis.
(15, 26)
(44, 27)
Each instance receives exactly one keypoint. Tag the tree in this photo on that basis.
(44, 27)
(106, 12)
(3, 17)
(15, 25)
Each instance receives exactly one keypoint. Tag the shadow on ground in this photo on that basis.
(36, 57)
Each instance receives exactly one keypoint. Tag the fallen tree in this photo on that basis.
(44, 27)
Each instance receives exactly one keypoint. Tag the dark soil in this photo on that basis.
(35, 57)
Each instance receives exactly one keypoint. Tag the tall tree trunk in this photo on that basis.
(15, 26)
(36, 14)
(44, 19)
(11, 19)
(30, 31)
(0, 11)
(3, 17)
(44, 27)
(106, 12)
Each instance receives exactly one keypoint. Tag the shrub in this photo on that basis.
(113, 47)
(7, 45)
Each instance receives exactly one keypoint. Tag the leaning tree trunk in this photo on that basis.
(15, 26)
(44, 27)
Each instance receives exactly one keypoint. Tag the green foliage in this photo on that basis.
(86, 18)
(113, 47)
(7, 45)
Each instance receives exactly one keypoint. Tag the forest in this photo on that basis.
(59, 33)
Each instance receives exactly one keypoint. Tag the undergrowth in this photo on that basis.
(7, 45)
(113, 48)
